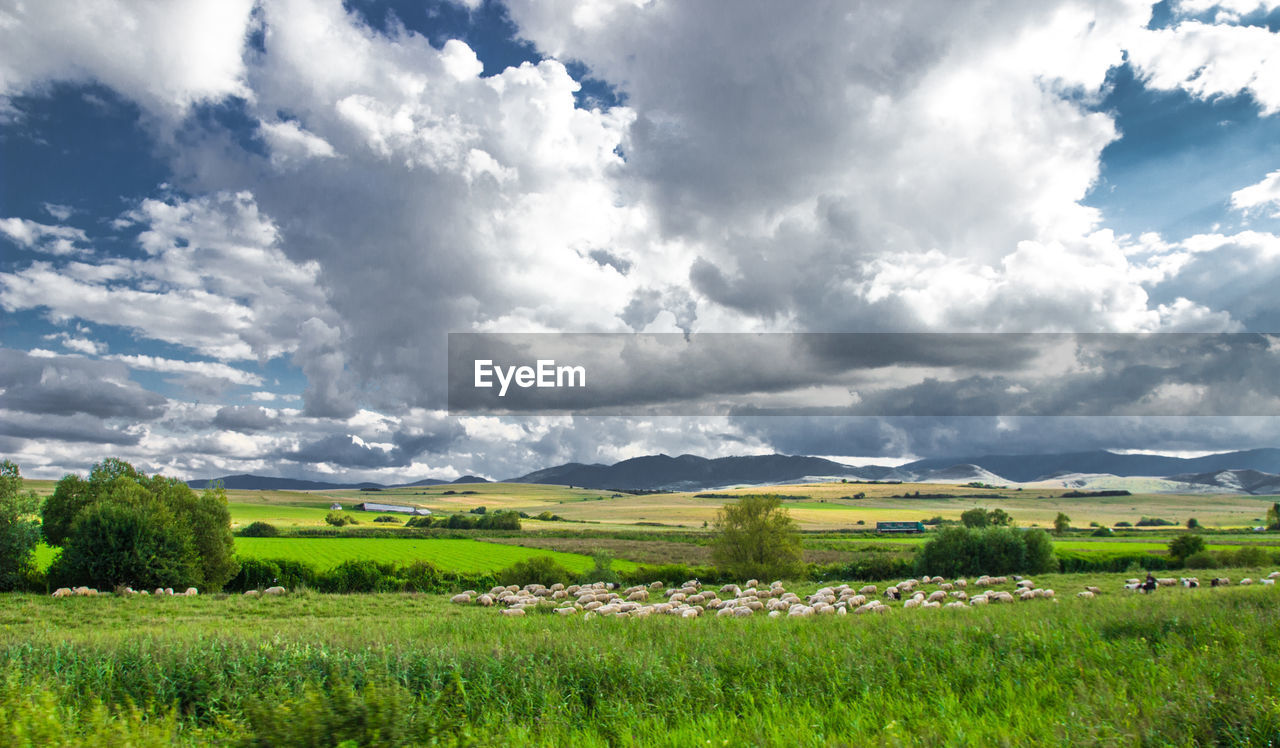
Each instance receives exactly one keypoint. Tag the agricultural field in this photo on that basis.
(1198, 668)
(456, 555)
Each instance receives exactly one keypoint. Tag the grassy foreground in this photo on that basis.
(1181, 667)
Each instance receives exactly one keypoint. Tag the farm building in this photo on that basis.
(335, 507)
(899, 527)
(369, 506)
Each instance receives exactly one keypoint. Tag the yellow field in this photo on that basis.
(825, 506)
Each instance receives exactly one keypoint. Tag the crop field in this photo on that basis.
(458, 555)
(1198, 668)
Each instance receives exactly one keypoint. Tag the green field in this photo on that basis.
(457, 555)
(1181, 667)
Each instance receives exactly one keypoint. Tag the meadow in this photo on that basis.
(456, 555)
(1179, 667)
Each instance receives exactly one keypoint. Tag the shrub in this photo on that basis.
(255, 573)
(1122, 523)
(479, 510)
(537, 570)
(1244, 556)
(421, 576)
(1102, 532)
(964, 551)
(601, 570)
(1200, 560)
(260, 530)
(1185, 545)
(387, 518)
(358, 576)
(117, 544)
(339, 519)
(1155, 522)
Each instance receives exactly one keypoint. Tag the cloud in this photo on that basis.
(1263, 195)
(245, 419)
(59, 241)
(205, 369)
(1211, 60)
(64, 386)
(212, 280)
(165, 56)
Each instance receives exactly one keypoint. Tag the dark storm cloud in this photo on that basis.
(605, 258)
(245, 419)
(872, 374)
(346, 451)
(77, 428)
(65, 385)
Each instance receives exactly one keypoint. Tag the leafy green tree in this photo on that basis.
(756, 537)
(19, 532)
(1273, 517)
(1193, 524)
(999, 518)
(963, 551)
(119, 526)
(975, 517)
(1184, 546)
(1061, 524)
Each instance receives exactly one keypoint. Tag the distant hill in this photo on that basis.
(963, 473)
(1241, 481)
(1024, 468)
(469, 479)
(689, 472)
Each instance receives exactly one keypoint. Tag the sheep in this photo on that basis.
(462, 599)
(912, 603)
(641, 595)
(191, 591)
(566, 611)
(1094, 590)
(274, 591)
(960, 595)
(1270, 582)
(893, 593)
(1132, 581)
(513, 612)
(1086, 594)
(961, 583)
(936, 596)
(869, 589)
(247, 593)
(978, 600)
(724, 612)
(956, 604)
(86, 591)
(1189, 581)
(1273, 575)
(168, 591)
(1167, 582)
(485, 600)
(655, 585)
(930, 605)
(63, 592)
(1246, 580)
(935, 580)
(946, 586)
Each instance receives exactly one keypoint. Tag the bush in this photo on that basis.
(358, 576)
(387, 518)
(1200, 560)
(1245, 557)
(421, 576)
(260, 530)
(543, 570)
(601, 570)
(1122, 523)
(254, 574)
(340, 519)
(965, 551)
(1185, 545)
(117, 544)
(1102, 532)
(1155, 522)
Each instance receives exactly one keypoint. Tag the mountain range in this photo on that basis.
(1253, 471)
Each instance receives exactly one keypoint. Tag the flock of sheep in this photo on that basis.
(91, 592)
(692, 600)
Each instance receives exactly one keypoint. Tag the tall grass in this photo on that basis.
(1178, 667)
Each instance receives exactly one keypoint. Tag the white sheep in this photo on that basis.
(274, 591)
(1085, 594)
(461, 599)
(63, 592)
(191, 591)
(512, 612)
(869, 589)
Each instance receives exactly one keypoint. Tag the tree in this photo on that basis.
(1184, 546)
(19, 532)
(120, 527)
(975, 517)
(1193, 524)
(756, 537)
(1273, 517)
(1061, 524)
(999, 518)
(964, 551)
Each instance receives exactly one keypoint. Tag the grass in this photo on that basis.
(456, 555)
(1180, 667)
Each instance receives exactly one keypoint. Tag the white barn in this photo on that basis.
(369, 506)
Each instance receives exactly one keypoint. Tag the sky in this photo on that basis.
(235, 234)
